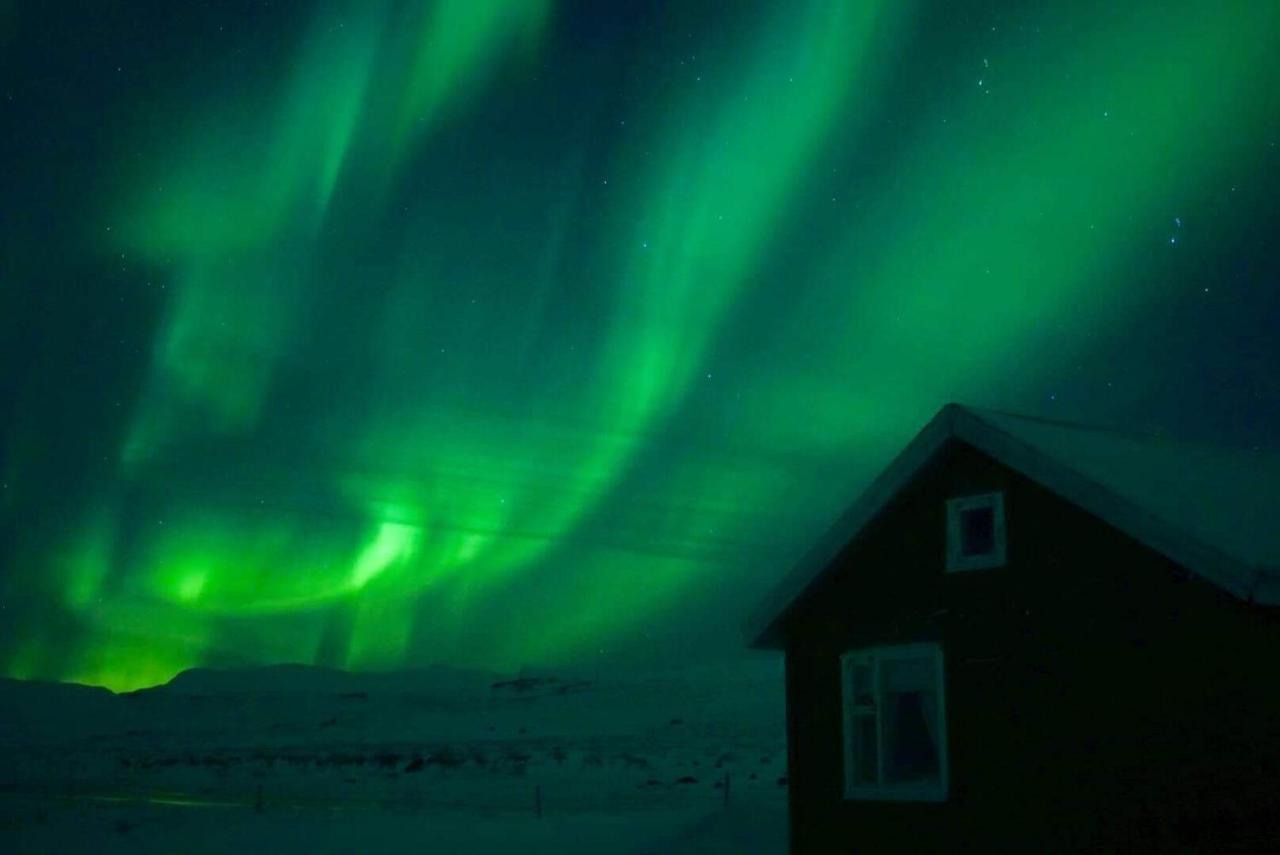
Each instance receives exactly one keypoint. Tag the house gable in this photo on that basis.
(890, 584)
(1041, 451)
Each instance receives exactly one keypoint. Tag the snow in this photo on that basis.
(132, 829)
(303, 759)
(1225, 497)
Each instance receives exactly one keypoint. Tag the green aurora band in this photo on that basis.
(520, 427)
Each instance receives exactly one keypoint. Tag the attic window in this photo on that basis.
(975, 532)
(895, 723)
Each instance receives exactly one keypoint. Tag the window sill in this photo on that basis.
(976, 562)
(911, 793)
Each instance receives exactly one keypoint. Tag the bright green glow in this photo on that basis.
(1024, 247)
(88, 562)
(394, 543)
(239, 208)
(381, 631)
(682, 266)
(239, 203)
(226, 563)
(214, 355)
(726, 183)
(192, 585)
(262, 163)
(472, 487)
(402, 406)
(455, 39)
(124, 663)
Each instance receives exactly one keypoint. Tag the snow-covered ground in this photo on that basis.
(92, 828)
(304, 759)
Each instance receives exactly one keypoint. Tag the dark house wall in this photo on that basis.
(1097, 695)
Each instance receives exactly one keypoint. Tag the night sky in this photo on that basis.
(380, 333)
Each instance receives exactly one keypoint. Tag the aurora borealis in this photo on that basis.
(380, 333)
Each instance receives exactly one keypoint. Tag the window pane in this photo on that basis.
(912, 721)
(863, 731)
(903, 675)
(978, 531)
(862, 687)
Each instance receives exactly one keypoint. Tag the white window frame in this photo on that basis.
(956, 559)
(874, 657)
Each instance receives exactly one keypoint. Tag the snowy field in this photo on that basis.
(159, 829)
(302, 759)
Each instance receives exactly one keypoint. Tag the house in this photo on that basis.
(1032, 635)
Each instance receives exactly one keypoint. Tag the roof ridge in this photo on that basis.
(1088, 426)
(1153, 436)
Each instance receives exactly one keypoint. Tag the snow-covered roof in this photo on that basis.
(1212, 510)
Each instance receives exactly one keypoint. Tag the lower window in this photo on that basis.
(895, 723)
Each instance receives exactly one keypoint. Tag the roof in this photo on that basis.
(1209, 509)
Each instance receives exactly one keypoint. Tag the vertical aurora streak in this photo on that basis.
(488, 333)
